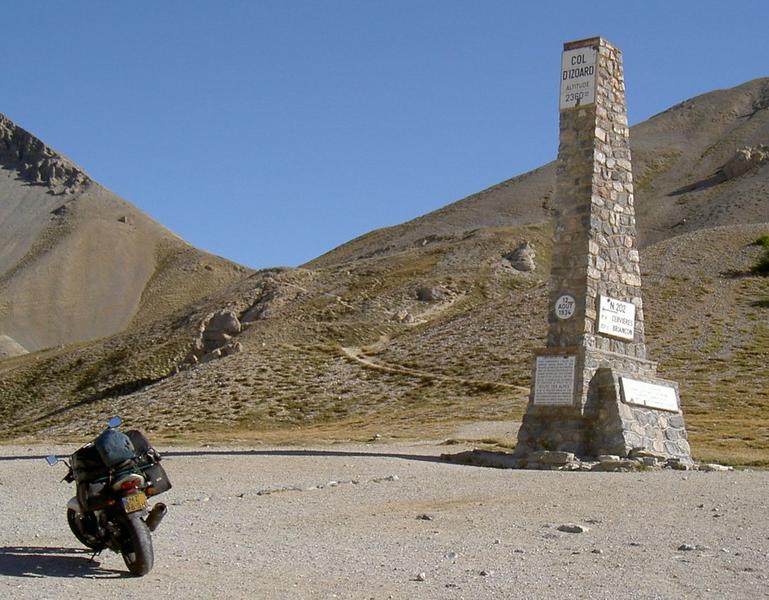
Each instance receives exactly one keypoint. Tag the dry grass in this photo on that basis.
(457, 362)
(432, 366)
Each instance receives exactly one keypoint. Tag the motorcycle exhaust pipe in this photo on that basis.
(156, 516)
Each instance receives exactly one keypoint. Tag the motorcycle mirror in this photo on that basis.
(115, 421)
(51, 460)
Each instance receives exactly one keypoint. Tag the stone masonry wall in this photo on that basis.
(619, 428)
(596, 252)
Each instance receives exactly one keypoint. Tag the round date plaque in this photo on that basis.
(565, 306)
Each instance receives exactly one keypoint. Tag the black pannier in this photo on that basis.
(148, 460)
(87, 464)
(157, 479)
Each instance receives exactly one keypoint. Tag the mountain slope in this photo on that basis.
(415, 329)
(674, 150)
(76, 260)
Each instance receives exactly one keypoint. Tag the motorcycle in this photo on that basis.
(115, 475)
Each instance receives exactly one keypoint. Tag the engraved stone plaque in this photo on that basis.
(616, 318)
(651, 395)
(554, 381)
(578, 77)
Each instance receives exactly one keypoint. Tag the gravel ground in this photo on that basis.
(390, 521)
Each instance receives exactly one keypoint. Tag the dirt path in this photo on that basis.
(357, 354)
(370, 521)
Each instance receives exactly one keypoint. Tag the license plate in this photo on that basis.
(135, 502)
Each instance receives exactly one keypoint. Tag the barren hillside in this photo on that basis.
(76, 261)
(408, 331)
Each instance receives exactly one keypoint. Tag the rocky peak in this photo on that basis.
(35, 162)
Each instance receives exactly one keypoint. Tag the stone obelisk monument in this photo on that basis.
(593, 390)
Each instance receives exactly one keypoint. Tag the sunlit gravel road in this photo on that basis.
(393, 521)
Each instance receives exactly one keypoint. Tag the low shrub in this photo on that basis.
(762, 266)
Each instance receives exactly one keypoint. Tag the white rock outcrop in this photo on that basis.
(522, 258)
(10, 347)
(215, 339)
(745, 159)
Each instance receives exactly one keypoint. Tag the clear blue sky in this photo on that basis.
(269, 132)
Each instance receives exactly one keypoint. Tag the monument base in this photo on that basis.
(623, 420)
(621, 408)
(561, 430)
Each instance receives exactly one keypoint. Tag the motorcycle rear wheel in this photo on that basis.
(76, 523)
(136, 546)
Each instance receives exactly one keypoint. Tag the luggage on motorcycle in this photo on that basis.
(157, 479)
(145, 453)
(139, 440)
(147, 459)
(88, 465)
(114, 447)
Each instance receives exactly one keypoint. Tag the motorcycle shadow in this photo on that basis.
(38, 561)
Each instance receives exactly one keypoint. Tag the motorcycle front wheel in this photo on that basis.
(136, 545)
(77, 524)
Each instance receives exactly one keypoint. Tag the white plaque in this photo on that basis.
(554, 380)
(650, 395)
(578, 68)
(564, 306)
(616, 318)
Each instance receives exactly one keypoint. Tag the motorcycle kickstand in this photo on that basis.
(94, 555)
